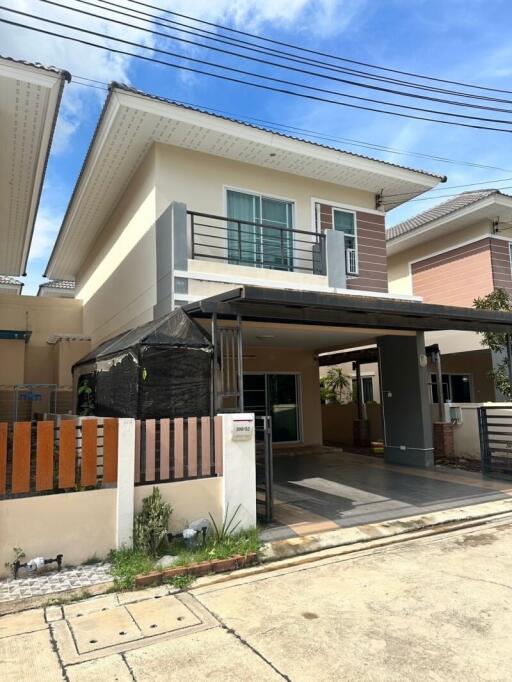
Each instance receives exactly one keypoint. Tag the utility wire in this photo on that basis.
(281, 80)
(240, 81)
(251, 47)
(315, 134)
(386, 196)
(315, 52)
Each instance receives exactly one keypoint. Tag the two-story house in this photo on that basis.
(452, 254)
(275, 245)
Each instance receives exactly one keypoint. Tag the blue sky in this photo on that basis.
(458, 40)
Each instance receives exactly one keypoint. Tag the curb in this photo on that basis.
(283, 554)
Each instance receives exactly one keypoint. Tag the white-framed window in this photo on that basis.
(265, 239)
(345, 221)
(456, 388)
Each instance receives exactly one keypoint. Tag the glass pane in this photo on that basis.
(344, 221)
(282, 398)
(367, 389)
(461, 388)
(276, 243)
(241, 237)
(446, 388)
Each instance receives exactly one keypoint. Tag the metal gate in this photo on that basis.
(264, 469)
(495, 426)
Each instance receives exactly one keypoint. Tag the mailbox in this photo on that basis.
(243, 428)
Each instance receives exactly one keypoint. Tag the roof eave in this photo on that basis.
(410, 239)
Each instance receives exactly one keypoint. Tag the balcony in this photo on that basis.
(259, 245)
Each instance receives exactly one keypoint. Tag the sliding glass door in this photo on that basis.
(267, 243)
(275, 395)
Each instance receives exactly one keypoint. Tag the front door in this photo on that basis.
(275, 396)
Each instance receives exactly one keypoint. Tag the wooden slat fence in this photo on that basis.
(43, 457)
(177, 449)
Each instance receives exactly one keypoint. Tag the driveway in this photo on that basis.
(430, 609)
(323, 490)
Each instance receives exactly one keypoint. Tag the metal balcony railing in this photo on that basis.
(259, 245)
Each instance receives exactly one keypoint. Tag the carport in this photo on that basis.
(278, 332)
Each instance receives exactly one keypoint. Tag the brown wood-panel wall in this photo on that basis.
(455, 277)
(501, 265)
(371, 249)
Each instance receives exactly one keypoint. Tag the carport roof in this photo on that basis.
(344, 310)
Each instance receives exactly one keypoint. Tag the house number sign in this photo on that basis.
(243, 429)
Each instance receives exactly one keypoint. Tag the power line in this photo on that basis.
(242, 82)
(387, 196)
(279, 80)
(251, 47)
(329, 138)
(316, 52)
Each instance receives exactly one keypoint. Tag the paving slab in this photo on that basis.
(209, 655)
(156, 616)
(87, 606)
(103, 629)
(434, 609)
(111, 668)
(29, 657)
(148, 593)
(19, 623)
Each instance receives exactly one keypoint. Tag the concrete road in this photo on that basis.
(439, 608)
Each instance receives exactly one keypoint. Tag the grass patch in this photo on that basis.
(127, 564)
(242, 543)
(182, 582)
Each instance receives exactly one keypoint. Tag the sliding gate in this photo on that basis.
(495, 426)
(264, 470)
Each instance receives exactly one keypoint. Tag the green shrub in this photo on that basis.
(151, 524)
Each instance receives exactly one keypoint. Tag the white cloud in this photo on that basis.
(46, 228)
(318, 17)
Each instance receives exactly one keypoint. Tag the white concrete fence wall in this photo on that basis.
(81, 525)
(466, 435)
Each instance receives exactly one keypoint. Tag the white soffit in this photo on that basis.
(29, 102)
(495, 207)
(131, 123)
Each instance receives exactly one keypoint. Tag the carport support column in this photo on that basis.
(406, 409)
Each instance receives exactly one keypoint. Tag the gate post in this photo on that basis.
(125, 483)
(239, 468)
(484, 439)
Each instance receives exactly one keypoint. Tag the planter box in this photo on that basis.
(198, 570)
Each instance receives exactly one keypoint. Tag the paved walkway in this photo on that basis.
(315, 492)
(430, 609)
(51, 581)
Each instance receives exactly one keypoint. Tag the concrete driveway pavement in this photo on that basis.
(438, 608)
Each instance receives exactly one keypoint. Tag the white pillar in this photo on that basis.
(239, 468)
(125, 482)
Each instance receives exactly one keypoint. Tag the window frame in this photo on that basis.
(433, 376)
(340, 209)
(271, 197)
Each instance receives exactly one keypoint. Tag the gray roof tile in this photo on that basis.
(440, 211)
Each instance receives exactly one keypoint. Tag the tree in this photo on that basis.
(499, 342)
(334, 386)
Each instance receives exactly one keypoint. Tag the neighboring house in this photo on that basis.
(30, 96)
(10, 285)
(275, 244)
(57, 288)
(452, 254)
